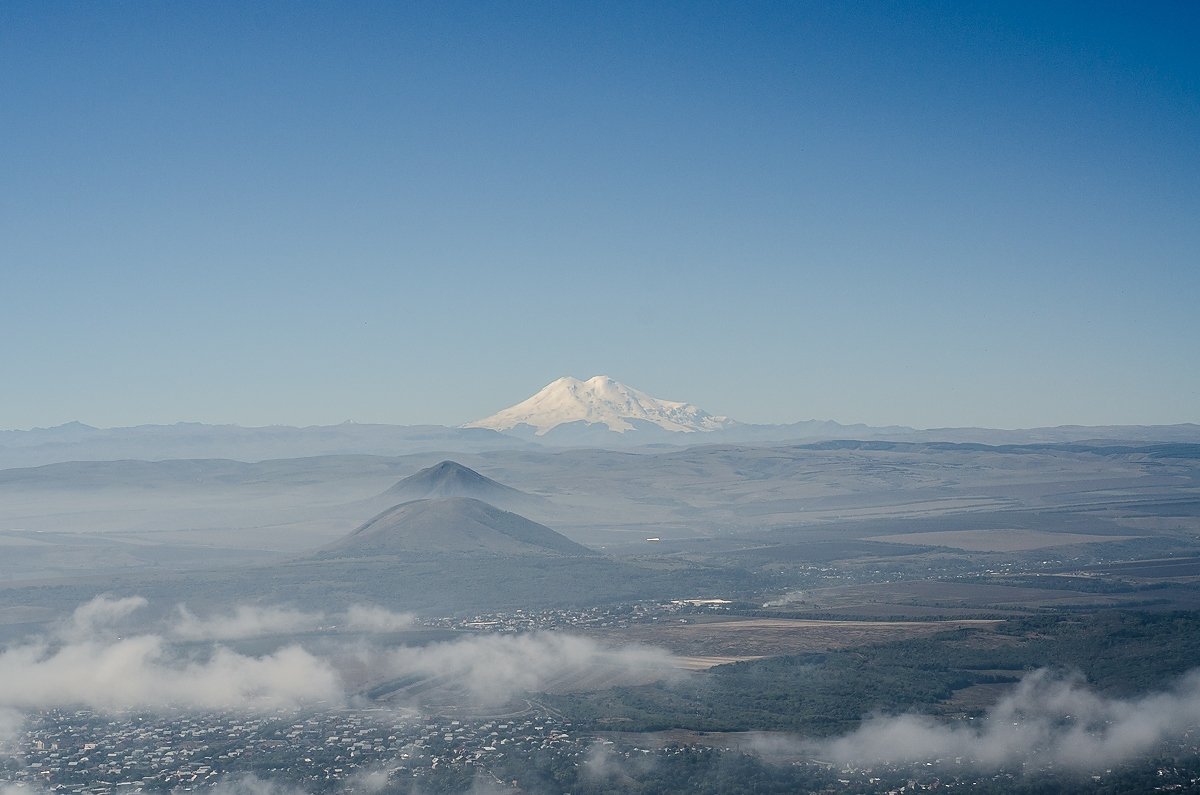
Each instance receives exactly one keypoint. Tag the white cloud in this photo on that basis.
(604, 765)
(246, 621)
(87, 663)
(100, 614)
(369, 780)
(12, 722)
(253, 621)
(142, 671)
(1047, 719)
(491, 669)
(368, 618)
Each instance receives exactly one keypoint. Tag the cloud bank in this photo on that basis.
(143, 672)
(492, 669)
(88, 662)
(1048, 719)
(252, 621)
(101, 615)
(246, 621)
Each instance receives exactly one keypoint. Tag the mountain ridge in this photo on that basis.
(77, 442)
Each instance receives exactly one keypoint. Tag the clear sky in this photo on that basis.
(887, 212)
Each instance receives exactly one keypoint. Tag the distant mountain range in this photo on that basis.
(568, 412)
(603, 412)
(75, 441)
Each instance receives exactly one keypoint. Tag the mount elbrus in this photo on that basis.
(599, 401)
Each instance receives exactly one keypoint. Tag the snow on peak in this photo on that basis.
(599, 400)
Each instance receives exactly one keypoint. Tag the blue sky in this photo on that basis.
(919, 213)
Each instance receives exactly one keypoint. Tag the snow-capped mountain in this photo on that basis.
(600, 401)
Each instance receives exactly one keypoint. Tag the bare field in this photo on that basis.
(739, 639)
(897, 611)
(918, 597)
(1000, 540)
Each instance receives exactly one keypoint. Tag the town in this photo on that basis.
(79, 751)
